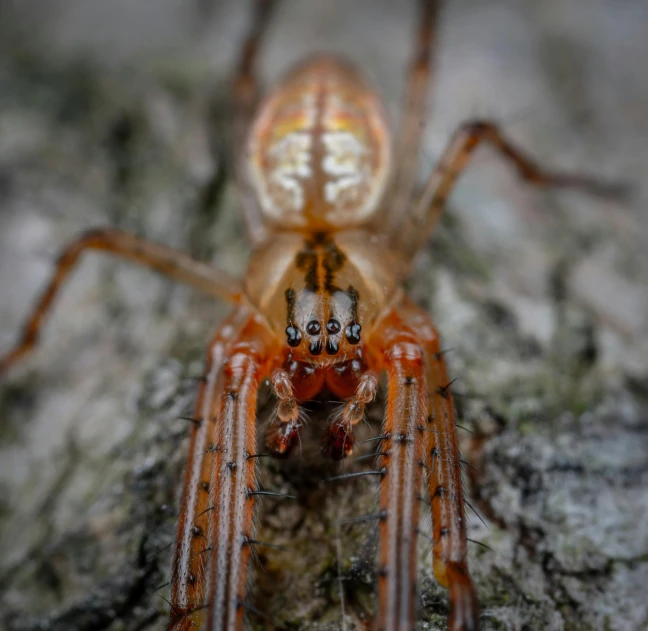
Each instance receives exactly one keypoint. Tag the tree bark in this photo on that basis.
(541, 297)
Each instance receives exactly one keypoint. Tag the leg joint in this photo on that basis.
(409, 352)
(478, 127)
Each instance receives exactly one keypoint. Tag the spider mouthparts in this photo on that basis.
(338, 440)
(282, 438)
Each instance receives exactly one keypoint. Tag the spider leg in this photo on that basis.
(409, 136)
(443, 467)
(192, 551)
(402, 466)
(246, 96)
(215, 527)
(420, 222)
(161, 258)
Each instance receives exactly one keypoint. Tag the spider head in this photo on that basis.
(323, 324)
(321, 293)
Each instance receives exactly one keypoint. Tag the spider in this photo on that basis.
(335, 218)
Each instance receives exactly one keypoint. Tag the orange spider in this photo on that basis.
(334, 220)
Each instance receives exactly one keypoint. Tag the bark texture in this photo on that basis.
(115, 113)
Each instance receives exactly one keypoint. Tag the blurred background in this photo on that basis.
(116, 113)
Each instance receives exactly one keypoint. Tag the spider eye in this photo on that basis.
(333, 326)
(313, 327)
(315, 348)
(294, 335)
(331, 347)
(353, 333)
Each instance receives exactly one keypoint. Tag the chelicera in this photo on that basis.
(335, 218)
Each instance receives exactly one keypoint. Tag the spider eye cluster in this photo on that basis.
(333, 326)
(313, 327)
(330, 342)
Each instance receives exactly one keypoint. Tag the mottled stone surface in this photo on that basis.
(108, 112)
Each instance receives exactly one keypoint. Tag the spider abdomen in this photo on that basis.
(319, 150)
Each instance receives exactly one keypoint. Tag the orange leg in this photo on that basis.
(215, 527)
(446, 494)
(158, 257)
(246, 96)
(192, 551)
(402, 465)
(410, 132)
(420, 223)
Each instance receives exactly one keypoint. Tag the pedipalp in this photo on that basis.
(338, 439)
(283, 435)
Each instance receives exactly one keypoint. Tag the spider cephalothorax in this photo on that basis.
(321, 314)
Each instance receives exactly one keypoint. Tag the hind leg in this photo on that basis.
(246, 92)
(421, 219)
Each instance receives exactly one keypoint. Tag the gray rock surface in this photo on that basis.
(113, 114)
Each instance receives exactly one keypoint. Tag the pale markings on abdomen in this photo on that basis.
(291, 154)
(293, 162)
(343, 160)
(343, 153)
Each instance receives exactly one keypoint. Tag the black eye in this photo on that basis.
(331, 347)
(353, 333)
(333, 326)
(315, 348)
(294, 335)
(313, 327)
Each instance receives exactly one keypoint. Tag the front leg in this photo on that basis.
(191, 557)
(447, 502)
(402, 465)
(215, 529)
(443, 468)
